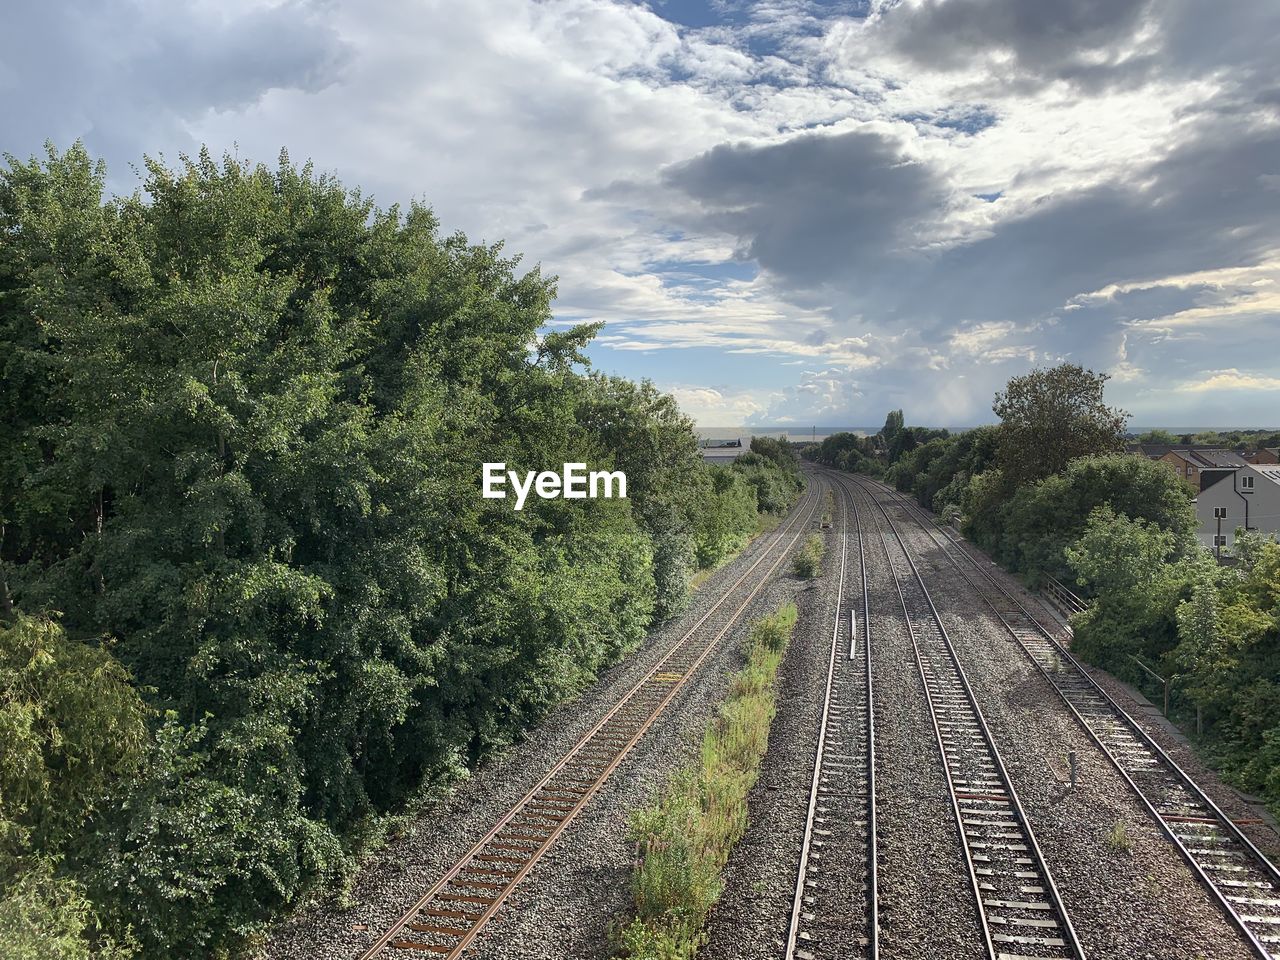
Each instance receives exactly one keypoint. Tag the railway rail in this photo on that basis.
(445, 920)
(835, 907)
(1021, 913)
(1242, 879)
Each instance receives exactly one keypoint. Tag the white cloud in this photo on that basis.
(719, 408)
(1231, 379)
(934, 197)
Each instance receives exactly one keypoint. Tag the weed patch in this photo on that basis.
(684, 839)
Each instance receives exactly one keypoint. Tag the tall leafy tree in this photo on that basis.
(1050, 417)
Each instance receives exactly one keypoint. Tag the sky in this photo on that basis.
(785, 212)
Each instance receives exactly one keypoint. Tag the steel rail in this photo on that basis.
(821, 764)
(584, 768)
(1260, 929)
(975, 797)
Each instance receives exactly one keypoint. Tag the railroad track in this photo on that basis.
(1021, 913)
(445, 920)
(1245, 883)
(835, 908)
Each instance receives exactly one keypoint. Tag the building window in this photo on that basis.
(1219, 513)
(1220, 540)
(1246, 483)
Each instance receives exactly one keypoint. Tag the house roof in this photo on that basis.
(1153, 450)
(1204, 457)
(1270, 471)
(1218, 458)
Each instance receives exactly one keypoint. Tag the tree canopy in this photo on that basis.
(1050, 417)
(242, 423)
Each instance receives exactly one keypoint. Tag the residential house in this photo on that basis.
(1263, 456)
(1201, 467)
(1246, 497)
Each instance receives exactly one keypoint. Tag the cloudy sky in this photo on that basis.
(786, 211)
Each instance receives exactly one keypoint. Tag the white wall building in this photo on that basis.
(1248, 497)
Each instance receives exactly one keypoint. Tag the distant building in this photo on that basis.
(1198, 467)
(1244, 497)
(1266, 455)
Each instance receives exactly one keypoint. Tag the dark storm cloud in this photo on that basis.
(836, 213)
(1093, 44)
(1057, 38)
(120, 74)
(814, 207)
(1209, 204)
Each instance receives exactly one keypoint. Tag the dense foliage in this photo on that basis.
(1214, 629)
(242, 423)
(1050, 417)
(1029, 531)
(1023, 489)
(848, 451)
(1244, 440)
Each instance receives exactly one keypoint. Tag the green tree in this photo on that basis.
(74, 731)
(244, 416)
(727, 517)
(1040, 519)
(72, 726)
(1050, 417)
(1125, 563)
(44, 916)
(894, 422)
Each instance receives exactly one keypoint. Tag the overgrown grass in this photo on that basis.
(685, 837)
(807, 562)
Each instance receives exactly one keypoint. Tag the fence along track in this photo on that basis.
(1245, 882)
(1021, 913)
(447, 918)
(835, 904)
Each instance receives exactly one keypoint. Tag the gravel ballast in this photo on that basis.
(564, 907)
(1127, 890)
(1148, 718)
(751, 918)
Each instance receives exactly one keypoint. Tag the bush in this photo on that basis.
(1216, 629)
(48, 917)
(72, 728)
(727, 517)
(776, 479)
(1032, 529)
(807, 562)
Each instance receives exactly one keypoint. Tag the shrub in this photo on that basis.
(807, 562)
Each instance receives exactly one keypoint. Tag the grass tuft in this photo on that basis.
(1118, 838)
